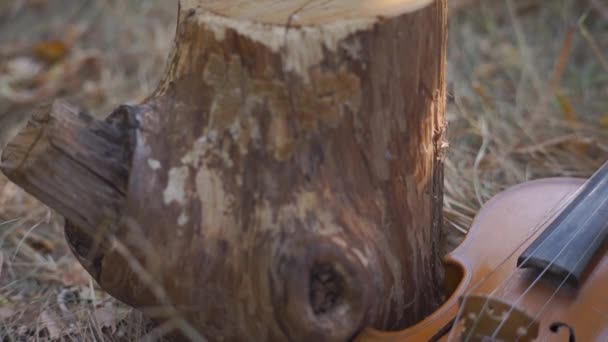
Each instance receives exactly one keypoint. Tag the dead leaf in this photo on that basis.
(485, 70)
(50, 324)
(105, 318)
(108, 317)
(508, 54)
(21, 69)
(6, 311)
(95, 91)
(604, 120)
(4, 301)
(579, 147)
(51, 51)
(483, 93)
(37, 3)
(75, 275)
(1, 262)
(74, 32)
(92, 295)
(88, 67)
(569, 112)
(37, 242)
(53, 76)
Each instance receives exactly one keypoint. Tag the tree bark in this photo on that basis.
(283, 182)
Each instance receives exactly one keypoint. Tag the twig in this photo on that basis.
(523, 46)
(1, 261)
(562, 62)
(480, 156)
(458, 228)
(549, 143)
(24, 238)
(157, 333)
(594, 47)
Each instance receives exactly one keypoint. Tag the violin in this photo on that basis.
(533, 267)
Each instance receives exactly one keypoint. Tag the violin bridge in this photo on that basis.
(488, 319)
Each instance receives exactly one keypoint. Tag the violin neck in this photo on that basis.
(569, 243)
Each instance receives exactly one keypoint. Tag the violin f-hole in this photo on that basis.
(557, 325)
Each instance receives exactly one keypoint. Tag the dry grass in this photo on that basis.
(118, 53)
(529, 99)
(529, 87)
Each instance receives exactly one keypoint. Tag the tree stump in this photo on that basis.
(283, 182)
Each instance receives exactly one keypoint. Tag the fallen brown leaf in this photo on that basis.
(485, 70)
(51, 51)
(37, 242)
(604, 120)
(108, 317)
(51, 325)
(1, 261)
(569, 113)
(6, 312)
(20, 69)
(75, 275)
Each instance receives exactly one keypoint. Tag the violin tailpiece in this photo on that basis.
(486, 317)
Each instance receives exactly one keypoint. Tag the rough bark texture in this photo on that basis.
(80, 167)
(285, 178)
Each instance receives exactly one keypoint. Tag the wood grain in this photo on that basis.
(307, 12)
(283, 182)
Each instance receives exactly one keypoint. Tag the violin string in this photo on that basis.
(555, 258)
(512, 305)
(510, 277)
(561, 285)
(556, 209)
(553, 212)
(561, 204)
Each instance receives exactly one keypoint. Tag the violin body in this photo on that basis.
(526, 306)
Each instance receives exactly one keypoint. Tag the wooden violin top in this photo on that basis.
(484, 268)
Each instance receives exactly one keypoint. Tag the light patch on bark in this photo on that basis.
(362, 258)
(204, 146)
(306, 204)
(176, 187)
(197, 151)
(154, 164)
(185, 56)
(237, 94)
(281, 142)
(353, 49)
(183, 219)
(216, 204)
(339, 241)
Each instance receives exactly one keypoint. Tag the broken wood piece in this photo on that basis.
(68, 147)
(75, 164)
